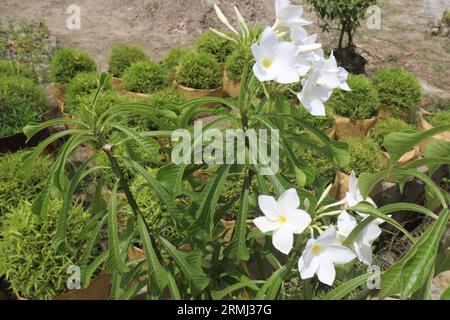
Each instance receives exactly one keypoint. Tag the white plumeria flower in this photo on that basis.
(288, 15)
(317, 89)
(284, 218)
(275, 60)
(362, 246)
(306, 60)
(320, 256)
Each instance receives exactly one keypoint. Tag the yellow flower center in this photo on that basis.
(316, 249)
(282, 219)
(267, 63)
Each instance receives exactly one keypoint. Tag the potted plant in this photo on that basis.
(26, 239)
(83, 84)
(431, 120)
(234, 66)
(399, 91)
(389, 125)
(144, 78)
(120, 59)
(355, 110)
(172, 60)
(65, 65)
(21, 101)
(199, 75)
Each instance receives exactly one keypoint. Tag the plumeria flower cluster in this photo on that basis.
(286, 54)
(284, 219)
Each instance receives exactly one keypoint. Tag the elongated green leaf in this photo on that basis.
(353, 236)
(399, 143)
(173, 288)
(405, 207)
(33, 128)
(149, 144)
(446, 294)
(219, 295)
(348, 287)
(237, 249)
(156, 272)
(170, 177)
(89, 270)
(204, 223)
(113, 232)
(273, 283)
(367, 208)
(197, 279)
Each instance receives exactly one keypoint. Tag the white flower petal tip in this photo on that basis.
(283, 218)
(320, 256)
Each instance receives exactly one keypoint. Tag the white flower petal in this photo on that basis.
(288, 200)
(298, 220)
(285, 73)
(346, 223)
(265, 225)
(363, 252)
(371, 233)
(308, 268)
(326, 272)
(328, 236)
(269, 207)
(339, 254)
(283, 239)
(269, 38)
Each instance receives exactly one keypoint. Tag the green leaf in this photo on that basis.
(219, 295)
(113, 233)
(446, 294)
(237, 249)
(399, 143)
(170, 177)
(204, 222)
(273, 284)
(347, 287)
(33, 128)
(197, 279)
(156, 273)
(89, 270)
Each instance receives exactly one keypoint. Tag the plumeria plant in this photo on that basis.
(284, 229)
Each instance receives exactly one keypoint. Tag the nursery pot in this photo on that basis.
(346, 127)
(59, 92)
(138, 95)
(231, 88)
(424, 125)
(192, 93)
(117, 83)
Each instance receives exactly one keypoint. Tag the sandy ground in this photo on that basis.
(158, 25)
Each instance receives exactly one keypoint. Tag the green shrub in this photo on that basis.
(365, 155)
(173, 57)
(8, 68)
(199, 71)
(440, 119)
(446, 17)
(145, 77)
(399, 91)
(235, 63)
(361, 103)
(219, 47)
(83, 84)
(384, 127)
(124, 56)
(16, 185)
(67, 63)
(28, 258)
(324, 168)
(106, 100)
(21, 101)
(321, 123)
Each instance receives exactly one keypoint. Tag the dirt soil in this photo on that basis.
(158, 25)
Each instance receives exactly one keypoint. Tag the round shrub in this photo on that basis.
(28, 259)
(83, 84)
(145, 77)
(361, 103)
(122, 57)
(16, 185)
(440, 119)
(67, 63)
(21, 101)
(219, 47)
(199, 71)
(106, 100)
(164, 98)
(384, 127)
(399, 91)
(324, 168)
(236, 62)
(173, 57)
(320, 122)
(9, 69)
(365, 155)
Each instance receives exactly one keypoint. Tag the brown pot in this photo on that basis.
(137, 95)
(191, 93)
(231, 88)
(98, 289)
(117, 83)
(424, 125)
(346, 127)
(59, 92)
